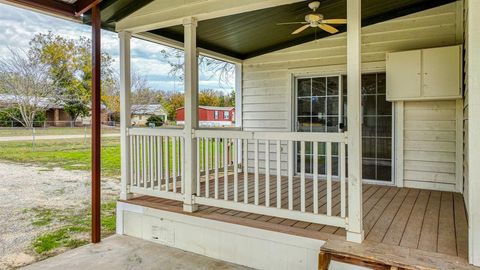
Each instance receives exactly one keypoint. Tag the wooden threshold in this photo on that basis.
(384, 256)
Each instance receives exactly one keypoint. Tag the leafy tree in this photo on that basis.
(69, 64)
(171, 101)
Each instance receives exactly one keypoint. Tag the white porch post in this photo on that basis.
(239, 106)
(354, 24)
(125, 111)
(473, 61)
(191, 114)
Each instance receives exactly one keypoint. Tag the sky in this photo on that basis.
(18, 26)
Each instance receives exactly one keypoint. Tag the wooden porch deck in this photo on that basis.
(425, 220)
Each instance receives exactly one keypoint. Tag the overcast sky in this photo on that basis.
(18, 26)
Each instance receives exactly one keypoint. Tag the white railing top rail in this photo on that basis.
(262, 135)
(174, 132)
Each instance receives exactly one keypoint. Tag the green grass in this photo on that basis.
(67, 154)
(20, 131)
(69, 229)
(74, 154)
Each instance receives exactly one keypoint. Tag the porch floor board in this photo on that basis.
(426, 220)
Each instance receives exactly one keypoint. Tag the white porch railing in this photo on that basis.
(156, 162)
(272, 149)
(264, 181)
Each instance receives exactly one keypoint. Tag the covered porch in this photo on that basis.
(268, 175)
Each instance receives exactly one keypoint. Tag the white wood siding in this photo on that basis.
(430, 139)
(267, 79)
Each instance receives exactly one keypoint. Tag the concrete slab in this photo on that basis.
(123, 252)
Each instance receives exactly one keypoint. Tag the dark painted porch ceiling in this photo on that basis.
(254, 33)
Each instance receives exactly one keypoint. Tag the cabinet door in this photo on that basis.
(404, 75)
(441, 72)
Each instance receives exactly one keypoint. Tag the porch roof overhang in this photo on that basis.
(80, 10)
(244, 35)
(241, 35)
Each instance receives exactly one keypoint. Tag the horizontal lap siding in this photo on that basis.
(267, 93)
(430, 158)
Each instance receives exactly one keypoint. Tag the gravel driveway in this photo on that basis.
(23, 187)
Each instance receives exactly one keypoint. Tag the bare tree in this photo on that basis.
(26, 86)
(142, 94)
(225, 71)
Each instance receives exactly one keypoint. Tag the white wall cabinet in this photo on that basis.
(426, 74)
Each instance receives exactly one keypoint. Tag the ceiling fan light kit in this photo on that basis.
(316, 20)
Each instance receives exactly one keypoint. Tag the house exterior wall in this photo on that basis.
(268, 79)
(57, 118)
(430, 141)
(142, 119)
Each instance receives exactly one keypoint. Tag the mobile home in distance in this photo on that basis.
(210, 116)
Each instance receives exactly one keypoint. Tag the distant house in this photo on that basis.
(55, 114)
(140, 113)
(209, 116)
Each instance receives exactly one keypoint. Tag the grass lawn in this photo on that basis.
(71, 154)
(74, 154)
(19, 131)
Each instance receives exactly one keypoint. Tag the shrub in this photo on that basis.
(7, 121)
(156, 120)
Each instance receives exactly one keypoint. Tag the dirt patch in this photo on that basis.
(23, 188)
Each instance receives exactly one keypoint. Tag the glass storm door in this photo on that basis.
(319, 108)
(376, 129)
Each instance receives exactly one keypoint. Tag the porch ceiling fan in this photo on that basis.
(316, 20)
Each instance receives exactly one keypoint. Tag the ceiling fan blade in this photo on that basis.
(335, 21)
(330, 29)
(300, 29)
(285, 23)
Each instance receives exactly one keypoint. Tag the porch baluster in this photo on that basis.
(342, 158)
(167, 165)
(256, 176)
(267, 173)
(315, 177)
(174, 164)
(329, 178)
(245, 171)
(279, 174)
(206, 148)
(225, 168)
(302, 176)
(217, 161)
(290, 175)
(235, 169)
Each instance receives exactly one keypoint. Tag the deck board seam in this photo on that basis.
(383, 210)
(396, 213)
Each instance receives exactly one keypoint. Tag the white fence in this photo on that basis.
(224, 178)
